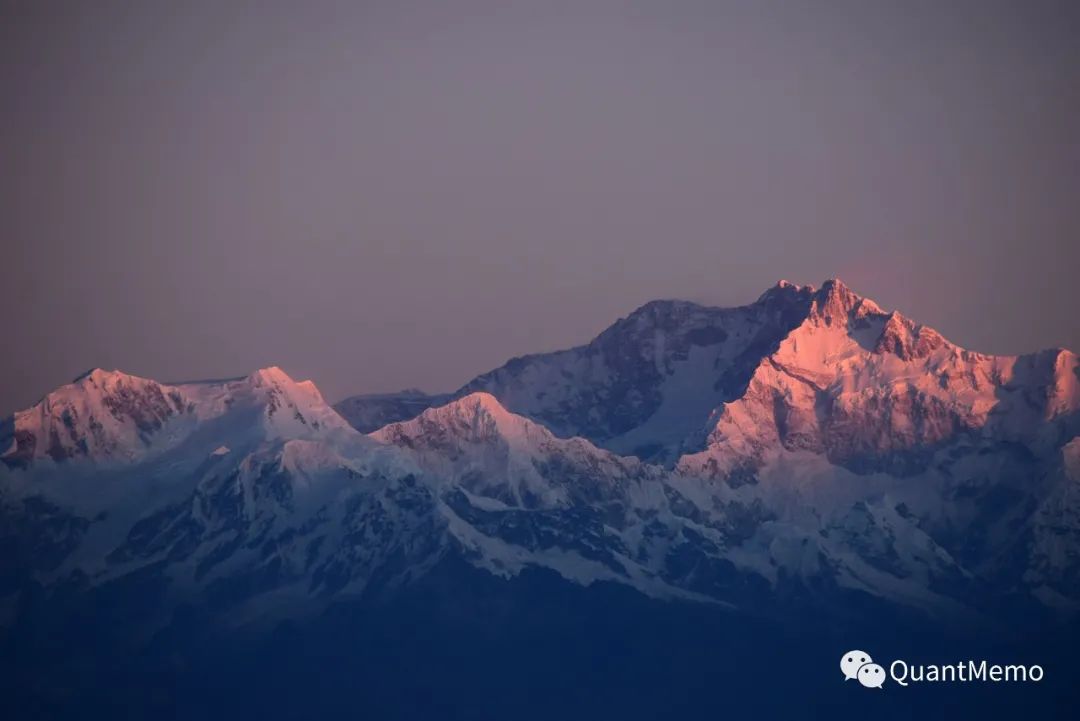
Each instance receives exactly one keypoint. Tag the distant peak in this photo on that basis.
(97, 373)
(784, 284)
(480, 400)
(477, 417)
(270, 375)
(88, 373)
(907, 340)
(663, 307)
(836, 288)
(273, 371)
(786, 290)
(835, 303)
(478, 406)
(656, 314)
(102, 378)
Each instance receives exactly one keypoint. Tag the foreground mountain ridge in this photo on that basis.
(807, 447)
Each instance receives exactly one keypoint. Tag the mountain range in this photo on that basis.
(809, 440)
(808, 452)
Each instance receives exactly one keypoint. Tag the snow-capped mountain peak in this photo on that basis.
(906, 339)
(786, 290)
(290, 407)
(489, 451)
(475, 418)
(115, 417)
(646, 385)
(101, 414)
(874, 390)
(652, 384)
(808, 440)
(269, 376)
(836, 304)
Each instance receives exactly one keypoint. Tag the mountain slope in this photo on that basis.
(671, 377)
(956, 445)
(839, 452)
(645, 386)
(516, 496)
(253, 491)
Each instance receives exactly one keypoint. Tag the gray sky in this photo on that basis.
(378, 195)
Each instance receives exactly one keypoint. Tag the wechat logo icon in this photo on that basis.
(858, 665)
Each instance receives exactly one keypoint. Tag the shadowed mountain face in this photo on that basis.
(809, 456)
(368, 413)
(657, 383)
(645, 386)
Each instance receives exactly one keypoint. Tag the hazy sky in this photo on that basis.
(378, 195)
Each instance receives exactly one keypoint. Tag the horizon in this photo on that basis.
(346, 393)
(783, 282)
(351, 190)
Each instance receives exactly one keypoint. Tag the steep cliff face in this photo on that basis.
(872, 391)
